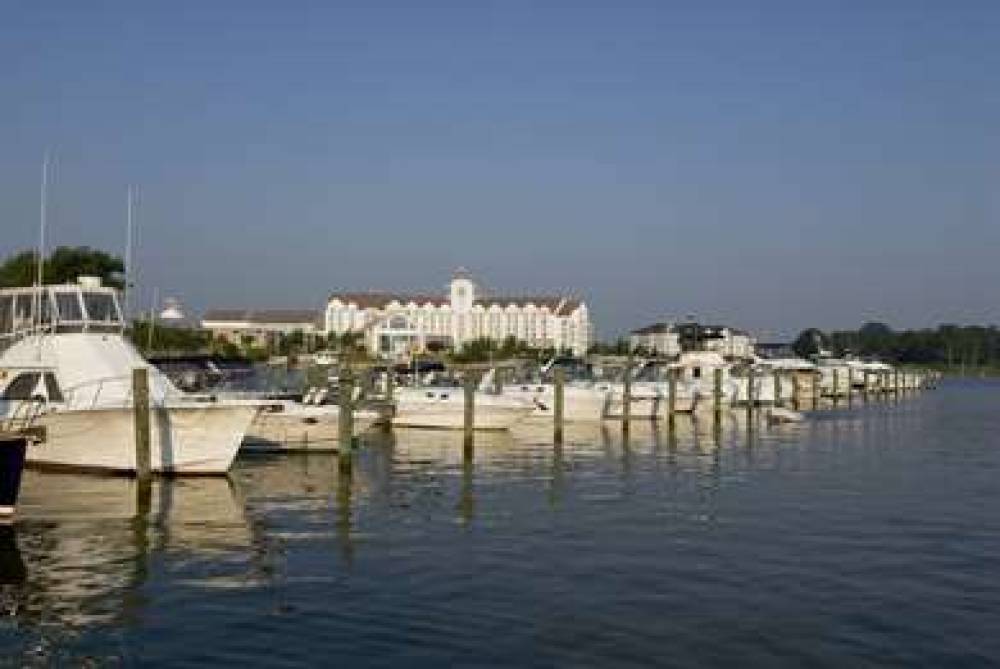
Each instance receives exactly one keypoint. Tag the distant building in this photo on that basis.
(172, 312)
(394, 325)
(671, 339)
(659, 338)
(260, 327)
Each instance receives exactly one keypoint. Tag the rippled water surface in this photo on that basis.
(868, 536)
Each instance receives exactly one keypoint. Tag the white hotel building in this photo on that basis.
(395, 325)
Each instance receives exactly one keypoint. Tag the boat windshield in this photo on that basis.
(65, 308)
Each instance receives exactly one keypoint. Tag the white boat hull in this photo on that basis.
(580, 405)
(197, 439)
(301, 429)
(444, 409)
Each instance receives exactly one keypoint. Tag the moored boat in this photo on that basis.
(64, 353)
(440, 407)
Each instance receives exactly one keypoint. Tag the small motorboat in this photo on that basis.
(307, 425)
(441, 407)
(780, 415)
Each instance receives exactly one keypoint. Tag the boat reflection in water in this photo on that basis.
(83, 546)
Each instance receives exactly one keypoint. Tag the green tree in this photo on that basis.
(64, 265)
(809, 342)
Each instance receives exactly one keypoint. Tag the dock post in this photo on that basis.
(345, 426)
(717, 395)
(498, 378)
(777, 388)
(672, 398)
(558, 404)
(140, 409)
(817, 390)
(836, 386)
(469, 424)
(796, 390)
(627, 394)
(750, 396)
(850, 386)
(390, 384)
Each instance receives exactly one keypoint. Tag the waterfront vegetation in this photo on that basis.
(63, 265)
(958, 349)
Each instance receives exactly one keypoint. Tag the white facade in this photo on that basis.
(660, 339)
(732, 344)
(396, 325)
(671, 339)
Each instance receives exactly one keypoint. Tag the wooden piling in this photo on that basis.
(776, 379)
(796, 389)
(836, 386)
(717, 395)
(817, 390)
(850, 386)
(140, 409)
(558, 405)
(627, 394)
(750, 395)
(345, 427)
(469, 425)
(390, 384)
(672, 398)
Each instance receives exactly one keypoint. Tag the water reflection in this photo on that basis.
(80, 553)
(615, 529)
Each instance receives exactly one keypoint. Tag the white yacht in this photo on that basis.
(778, 379)
(291, 426)
(696, 379)
(581, 403)
(64, 358)
(442, 407)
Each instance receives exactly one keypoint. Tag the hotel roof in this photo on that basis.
(268, 316)
(555, 304)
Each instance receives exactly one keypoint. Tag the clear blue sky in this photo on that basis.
(773, 165)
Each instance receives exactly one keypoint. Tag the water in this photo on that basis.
(863, 537)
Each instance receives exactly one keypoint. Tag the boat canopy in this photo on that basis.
(86, 306)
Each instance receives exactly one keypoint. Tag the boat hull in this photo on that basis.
(301, 431)
(198, 439)
(580, 405)
(451, 416)
(12, 452)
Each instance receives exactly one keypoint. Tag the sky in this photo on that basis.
(768, 165)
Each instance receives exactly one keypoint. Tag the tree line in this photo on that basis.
(948, 346)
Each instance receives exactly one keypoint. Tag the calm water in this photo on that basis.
(864, 537)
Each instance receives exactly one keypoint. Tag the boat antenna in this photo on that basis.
(42, 216)
(128, 252)
(40, 264)
(152, 320)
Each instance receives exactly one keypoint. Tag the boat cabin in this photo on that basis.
(85, 306)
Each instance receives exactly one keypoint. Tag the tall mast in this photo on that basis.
(128, 254)
(41, 223)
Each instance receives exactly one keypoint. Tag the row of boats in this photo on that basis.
(65, 366)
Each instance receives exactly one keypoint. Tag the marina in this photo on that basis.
(395, 334)
(418, 548)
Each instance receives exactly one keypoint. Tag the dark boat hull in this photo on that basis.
(12, 451)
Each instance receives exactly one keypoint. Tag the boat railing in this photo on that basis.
(24, 415)
(95, 393)
(89, 394)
